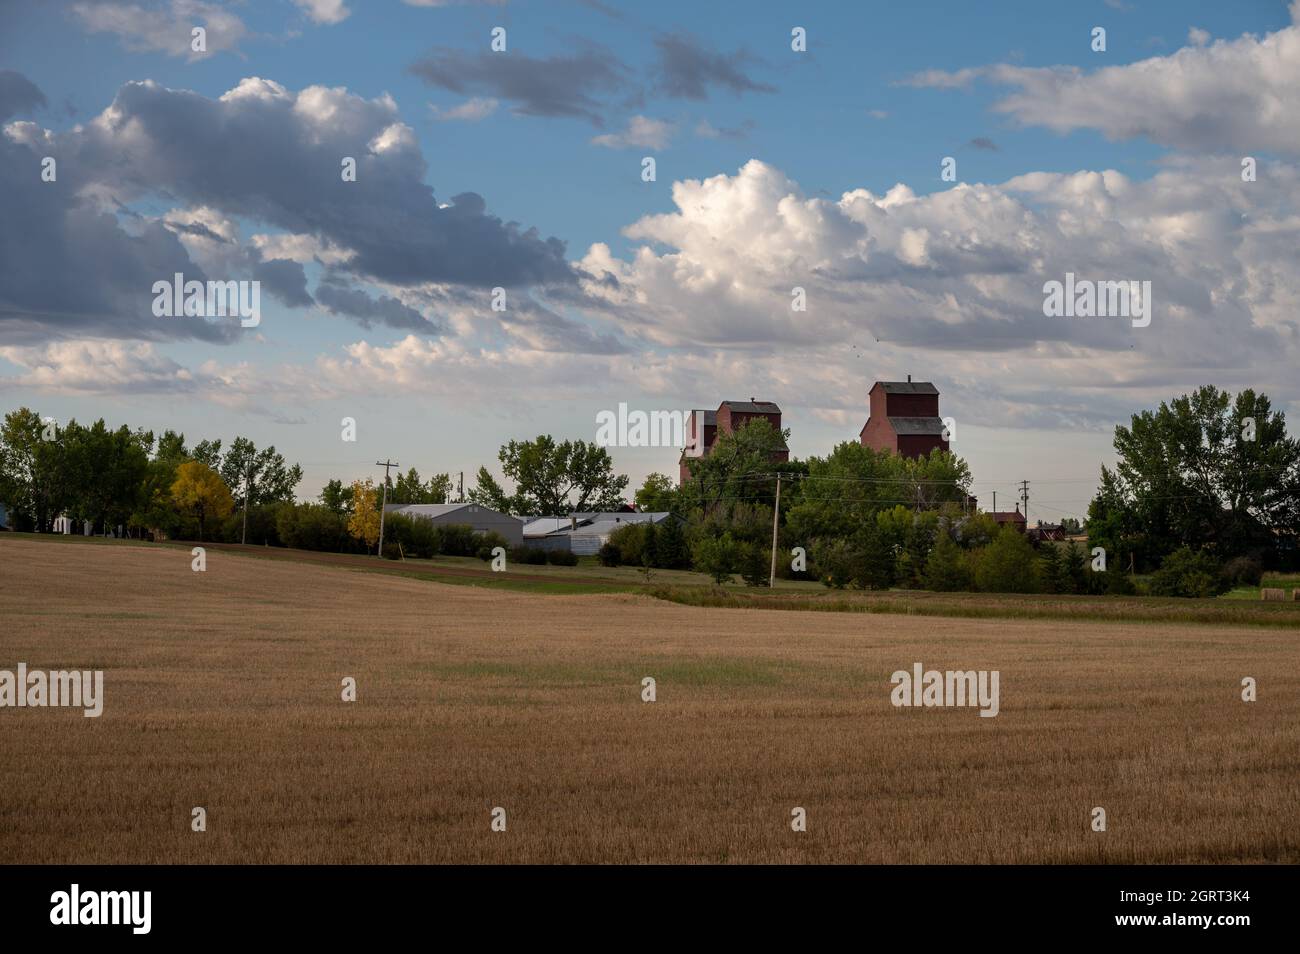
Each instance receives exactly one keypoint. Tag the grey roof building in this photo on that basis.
(475, 516)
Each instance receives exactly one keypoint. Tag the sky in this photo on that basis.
(523, 169)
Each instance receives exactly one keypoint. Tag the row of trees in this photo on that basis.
(126, 479)
(1205, 494)
(1208, 472)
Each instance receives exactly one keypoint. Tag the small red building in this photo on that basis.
(1009, 518)
(904, 418)
(704, 428)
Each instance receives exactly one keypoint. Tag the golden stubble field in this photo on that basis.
(223, 691)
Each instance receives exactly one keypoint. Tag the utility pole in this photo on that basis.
(776, 513)
(460, 492)
(248, 479)
(386, 464)
(995, 502)
(1024, 495)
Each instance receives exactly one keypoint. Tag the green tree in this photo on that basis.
(553, 478)
(1053, 574)
(753, 562)
(1203, 470)
(438, 490)
(741, 468)
(945, 570)
(650, 546)
(336, 497)
(265, 473)
(715, 556)
(410, 489)
(488, 493)
(34, 478)
(1077, 568)
(557, 478)
(1007, 565)
(671, 547)
(657, 495)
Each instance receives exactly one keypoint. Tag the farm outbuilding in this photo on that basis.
(475, 516)
(582, 533)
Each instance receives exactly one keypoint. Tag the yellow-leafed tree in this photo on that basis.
(200, 491)
(363, 524)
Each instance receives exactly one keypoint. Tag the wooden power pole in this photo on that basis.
(387, 465)
(776, 513)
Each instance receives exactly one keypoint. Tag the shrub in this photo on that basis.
(562, 557)
(1007, 565)
(418, 537)
(458, 539)
(630, 540)
(313, 527)
(534, 556)
(1115, 582)
(610, 554)
(261, 525)
(1243, 571)
(1188, 574)
(392, 551)
(488, 542)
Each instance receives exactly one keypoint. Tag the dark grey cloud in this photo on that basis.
(68, 268)
(340, 298)
(18, 95)
(267, 154)
(77, 259)
(982, 142)
(285, 281)
(576, 86)
(687, 70)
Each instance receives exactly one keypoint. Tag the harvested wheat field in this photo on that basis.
(223, 690)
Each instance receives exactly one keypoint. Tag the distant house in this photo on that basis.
(904, 418)
(583, 533)
(1053, 532)
(705, 427)
(475, 516)
(1009, 518)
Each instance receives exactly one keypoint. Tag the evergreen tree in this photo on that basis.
(1076, 568)
(650, 546)
(1052, 570)
(670, 546)
(945, 570)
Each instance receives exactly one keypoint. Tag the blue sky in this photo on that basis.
(945, 275)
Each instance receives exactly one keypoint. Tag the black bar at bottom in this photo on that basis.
(215, 903)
